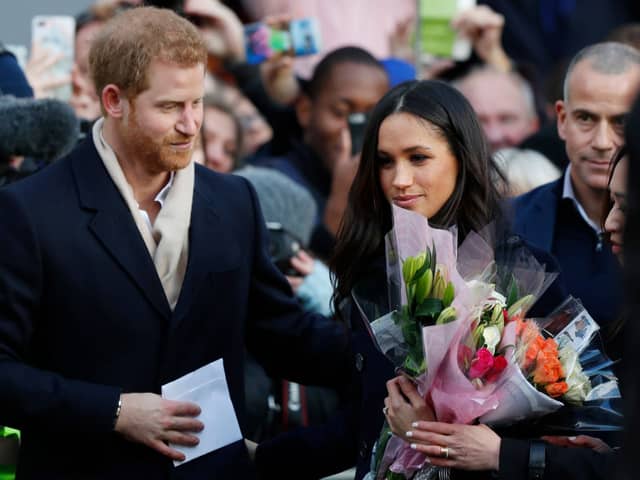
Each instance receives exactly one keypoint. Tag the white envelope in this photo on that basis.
(207, 387)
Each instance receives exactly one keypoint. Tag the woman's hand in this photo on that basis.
(583, 441)
(465, 447)
(38, 72)
(404, 406)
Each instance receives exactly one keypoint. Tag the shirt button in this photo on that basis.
(359, 362)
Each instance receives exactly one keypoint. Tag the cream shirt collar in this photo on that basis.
(160, 197)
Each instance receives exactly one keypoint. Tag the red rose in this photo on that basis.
(499, 364)
(481, 364)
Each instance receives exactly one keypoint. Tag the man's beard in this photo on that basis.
(155, 156)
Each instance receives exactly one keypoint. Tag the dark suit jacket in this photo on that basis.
(590, 271)
(83, 317)
(535, 214)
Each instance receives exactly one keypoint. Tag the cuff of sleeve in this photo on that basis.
(91, 408)
(514, 459)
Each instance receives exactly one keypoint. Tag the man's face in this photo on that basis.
(591, 121)
(502, 108)
(160, 124)
(350, 88)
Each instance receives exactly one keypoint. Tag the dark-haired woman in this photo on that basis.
(424, 150)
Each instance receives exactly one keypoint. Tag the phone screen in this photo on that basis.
(56, 34)
(435, 36)
(298, 37)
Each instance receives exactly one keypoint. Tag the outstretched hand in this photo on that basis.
(149, 419)
(483, 27)
(343, 171)
(220, 27)
(38, 71)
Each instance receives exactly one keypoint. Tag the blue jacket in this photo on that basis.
(83, 317)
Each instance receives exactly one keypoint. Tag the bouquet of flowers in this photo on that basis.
(591, 399)
(448, 333)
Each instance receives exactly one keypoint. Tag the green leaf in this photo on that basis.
(513, 294)
(447, 315)
(449, 294)
(394, 476)
(423, 268)
(423, 287)
(431, 307)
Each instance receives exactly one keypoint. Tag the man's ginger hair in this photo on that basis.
(123, 50)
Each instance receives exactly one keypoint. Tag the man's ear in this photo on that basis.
(303, 110)
(113, 101)
(561, 118)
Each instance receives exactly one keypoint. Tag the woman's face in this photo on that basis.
(220, 140)
(417, 169)
(614, 224)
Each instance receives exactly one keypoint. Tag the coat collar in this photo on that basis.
(113, 226)
(211, 246)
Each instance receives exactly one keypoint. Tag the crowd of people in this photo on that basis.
(185, 205)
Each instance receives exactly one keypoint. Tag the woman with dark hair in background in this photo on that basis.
(632, 293)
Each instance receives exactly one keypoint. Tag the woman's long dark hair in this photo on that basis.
(473, 204)
(608, 204)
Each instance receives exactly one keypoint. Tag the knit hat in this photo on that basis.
(283, 201)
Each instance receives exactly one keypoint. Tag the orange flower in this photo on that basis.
(530, 355)
(556, 389)
(548, 369)
(550, 346)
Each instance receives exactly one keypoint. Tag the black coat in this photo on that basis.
(83, 317)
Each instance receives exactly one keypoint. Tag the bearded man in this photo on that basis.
(125, 266)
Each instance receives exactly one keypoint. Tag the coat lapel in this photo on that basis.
(113, 226)
(211, 246)
(539, 227)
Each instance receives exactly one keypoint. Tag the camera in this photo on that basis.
(282, 246)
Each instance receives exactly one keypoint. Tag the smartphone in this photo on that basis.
(282, 247)
(57, 35)
(357, 123)
(435, 38)
(297, 37)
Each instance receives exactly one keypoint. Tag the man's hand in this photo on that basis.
(220, 27)
(149, 419)
(483, 27)
(344, 169)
